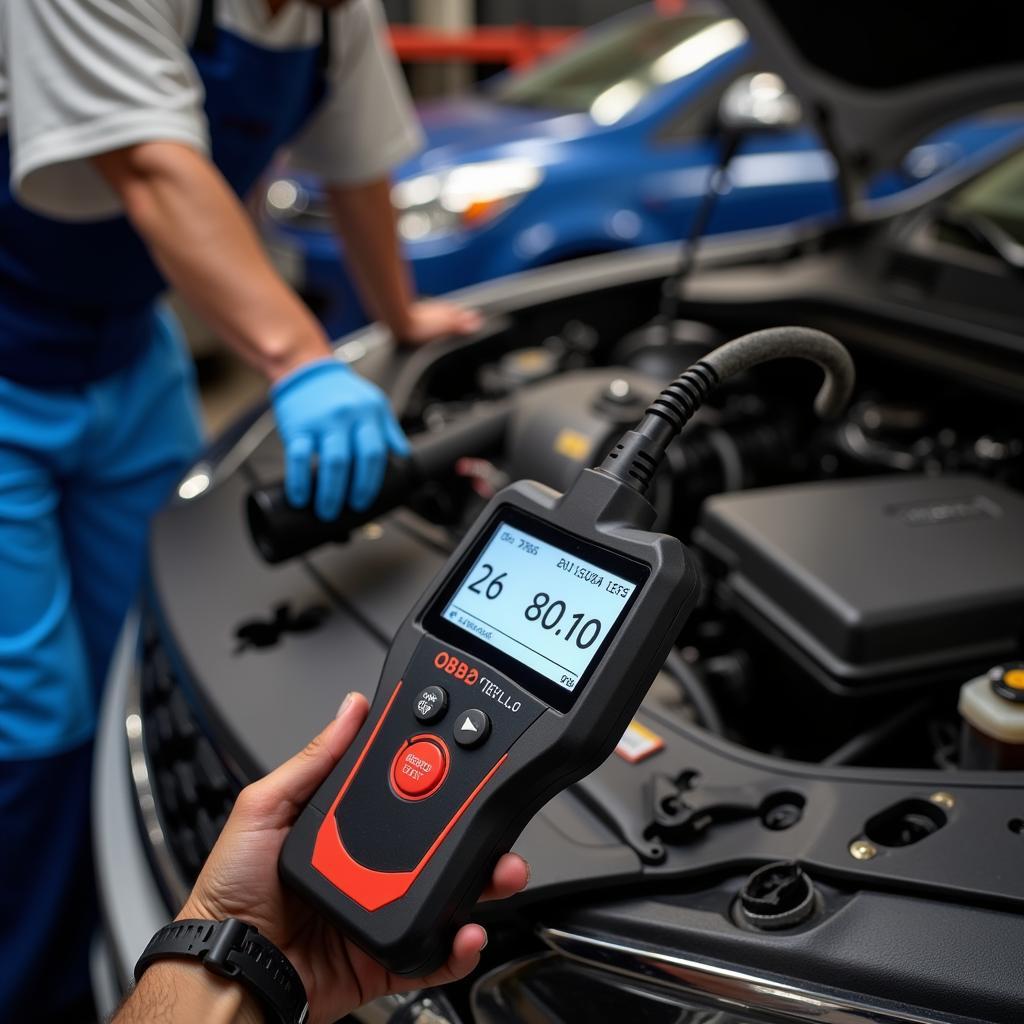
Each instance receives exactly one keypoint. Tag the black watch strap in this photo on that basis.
(234, 949)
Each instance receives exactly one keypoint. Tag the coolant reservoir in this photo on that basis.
(992, 708)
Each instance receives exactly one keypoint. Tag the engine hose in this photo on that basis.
(696, 691)
(635, 459)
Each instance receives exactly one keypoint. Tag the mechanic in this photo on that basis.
(128, 131)
(240, 880)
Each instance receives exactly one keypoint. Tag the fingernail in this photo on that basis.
(487, 939)
(345, 704)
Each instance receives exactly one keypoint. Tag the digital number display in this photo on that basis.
(539, 604)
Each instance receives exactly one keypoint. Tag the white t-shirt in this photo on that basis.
(83, 77)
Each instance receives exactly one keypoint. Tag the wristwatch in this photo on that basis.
(234, 949)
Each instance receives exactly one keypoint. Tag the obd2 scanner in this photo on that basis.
(514, 676)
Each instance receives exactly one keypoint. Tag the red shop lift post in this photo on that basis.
(517, 46)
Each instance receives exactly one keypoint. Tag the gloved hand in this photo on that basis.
(326, 409)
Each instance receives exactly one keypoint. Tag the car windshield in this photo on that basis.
(996, 196)
(610, 72)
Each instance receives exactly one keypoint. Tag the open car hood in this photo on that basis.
(878, 77)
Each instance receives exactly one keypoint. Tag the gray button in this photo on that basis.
(472, 727)
(431, 704)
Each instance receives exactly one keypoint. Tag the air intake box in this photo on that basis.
(876, 582)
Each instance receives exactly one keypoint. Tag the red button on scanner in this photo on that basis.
(419, 767)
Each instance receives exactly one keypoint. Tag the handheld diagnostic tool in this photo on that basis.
(514, 675)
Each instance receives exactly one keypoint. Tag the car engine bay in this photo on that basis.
(907, 585)
(800, 779)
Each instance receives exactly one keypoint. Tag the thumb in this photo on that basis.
(294, 782)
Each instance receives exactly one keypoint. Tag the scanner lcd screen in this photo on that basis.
(539, 604)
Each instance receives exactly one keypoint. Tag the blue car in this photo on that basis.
(605, 146)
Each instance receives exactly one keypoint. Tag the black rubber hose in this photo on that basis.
(281, 531)
(791, 343)
(857, 746)
(696, 691)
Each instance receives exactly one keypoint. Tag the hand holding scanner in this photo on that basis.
(514, 675)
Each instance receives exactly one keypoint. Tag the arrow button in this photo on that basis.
(472, 727)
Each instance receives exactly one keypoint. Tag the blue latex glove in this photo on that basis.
(325, 409)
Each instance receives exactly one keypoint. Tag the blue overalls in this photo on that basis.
(98, 419)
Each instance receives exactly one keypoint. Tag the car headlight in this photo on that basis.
(469, 196)
(435, 203)
(294, 204)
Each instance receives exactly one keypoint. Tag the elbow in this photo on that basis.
(139, 174)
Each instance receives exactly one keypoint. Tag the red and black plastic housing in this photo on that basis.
(399, 876)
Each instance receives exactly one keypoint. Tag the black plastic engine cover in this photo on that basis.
(870, 581)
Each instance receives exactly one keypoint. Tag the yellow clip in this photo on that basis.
(572, 445)
(1014, 678)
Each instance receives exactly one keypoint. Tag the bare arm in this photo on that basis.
(206, 246)
(240, 879)
(365, 220)
(183, 992)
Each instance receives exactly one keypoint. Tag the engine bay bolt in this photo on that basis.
(943, 800)
(423, 1012)
(782, 810)
(991, 449)
(619, 390)
(861, 849)
(777, 896)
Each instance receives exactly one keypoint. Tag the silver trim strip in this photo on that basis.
(731, 988)
(163, 859)
(132, 905)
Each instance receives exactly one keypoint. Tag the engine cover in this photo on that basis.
(878, 581)
(562, 426)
